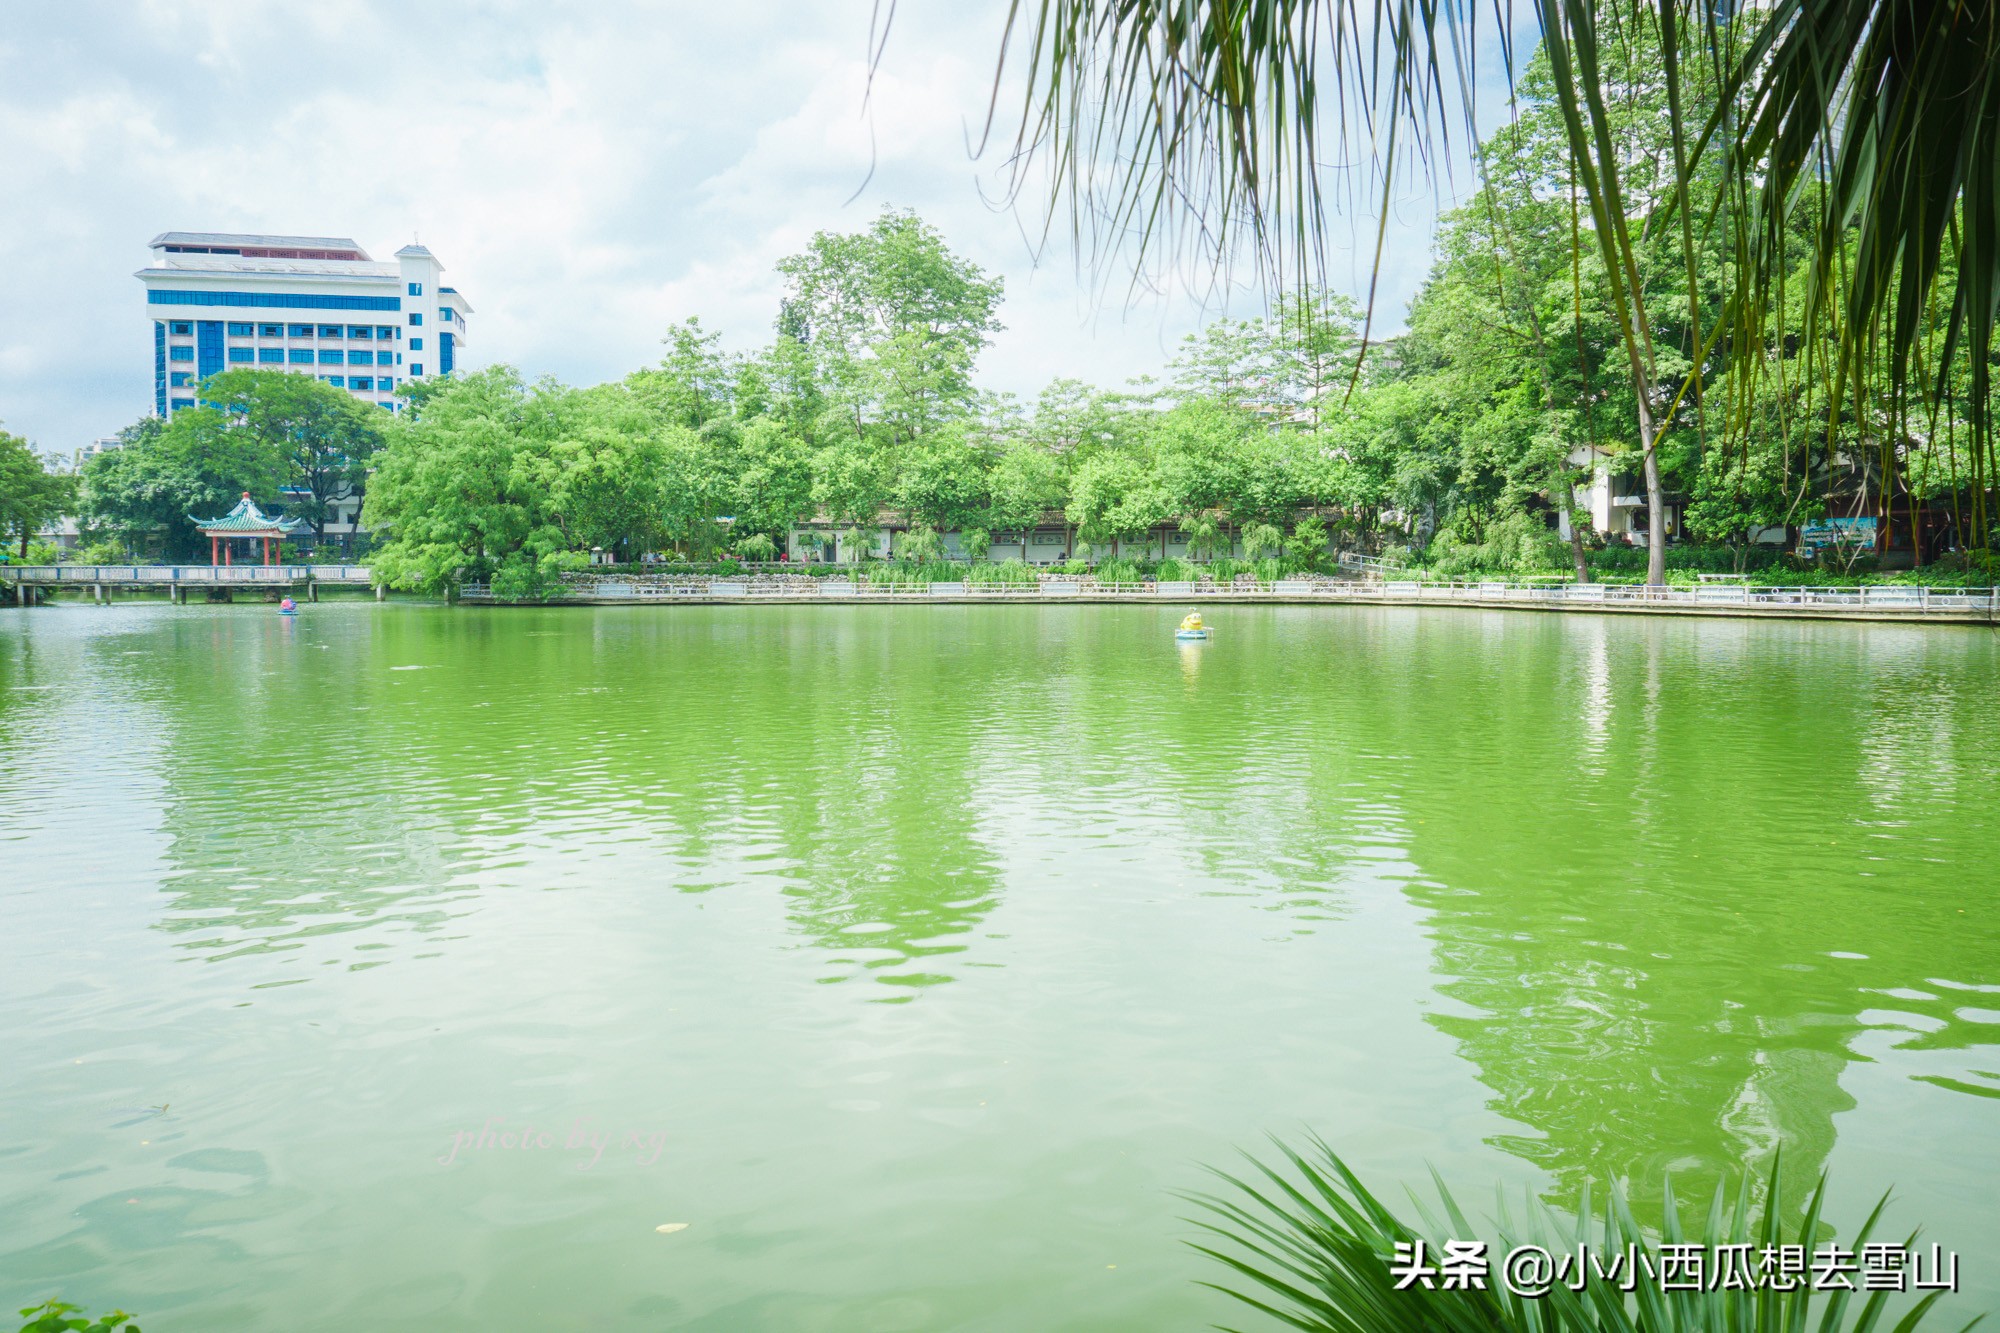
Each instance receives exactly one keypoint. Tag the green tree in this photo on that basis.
(1114, 498)
(852, 485)
(1027, 482)
(148, 492)
(893, 321)
(773, 477)
(943, 480)
(462, 491)
(31, 496)
(1782, 133)
(323, 437)
(694, 383)
(1203, 447)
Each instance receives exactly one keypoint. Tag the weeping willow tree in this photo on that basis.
(1868, 131)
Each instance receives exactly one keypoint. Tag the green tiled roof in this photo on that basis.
(248, 518)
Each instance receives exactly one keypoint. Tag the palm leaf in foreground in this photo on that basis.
(1308, 1245)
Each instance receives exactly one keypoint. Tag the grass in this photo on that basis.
(1308, 1245)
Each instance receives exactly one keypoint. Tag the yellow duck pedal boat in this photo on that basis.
(1191, 627)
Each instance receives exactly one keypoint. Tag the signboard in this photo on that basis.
(1846, 532)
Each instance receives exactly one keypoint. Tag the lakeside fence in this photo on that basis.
(1884, 600)
(203, 575)
(195, 575)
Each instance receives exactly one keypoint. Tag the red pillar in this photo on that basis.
(214, 553)
(228, 555)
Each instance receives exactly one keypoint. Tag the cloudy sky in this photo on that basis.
(588, 174)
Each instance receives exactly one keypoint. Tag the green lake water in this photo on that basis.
(914, 957)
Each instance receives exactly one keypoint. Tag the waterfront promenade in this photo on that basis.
(1873, 603)
(1880, 603)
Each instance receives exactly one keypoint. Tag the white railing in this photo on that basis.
(1916, 601)
(1374, 566)
(171, 574)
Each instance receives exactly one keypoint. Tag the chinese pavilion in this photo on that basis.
(246, 522)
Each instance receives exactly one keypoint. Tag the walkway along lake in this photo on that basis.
(914, 960)
(1977, 606)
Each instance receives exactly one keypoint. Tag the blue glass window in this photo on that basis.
(181, 379)
(302, 330)
(444, 313)
(385, 331)
(416, 367)
(360, 382)
(361, 330)
(361, 358)
(179, 403)
(385, 383)
(416, 344)
(336, 381)
(277, 300)
(329, 330)
(271, 356)
(242, 330)
(159, 368)
(270, 330)
(446, 358)
(387, 407)
(416, 320)
(301, 356)
(330, 356)
(181, 353)
(207, 347)
(416, 289)
(242, 354)
(385, 358)
(183, 329)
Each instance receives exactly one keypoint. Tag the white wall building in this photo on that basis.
(315, 305)
(104, 444)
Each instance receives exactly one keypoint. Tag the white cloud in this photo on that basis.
(588, 175)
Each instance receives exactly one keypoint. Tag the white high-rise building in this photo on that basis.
(317, 305)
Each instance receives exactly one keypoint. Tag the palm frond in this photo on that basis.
(1307, 1244)
(1216, 130)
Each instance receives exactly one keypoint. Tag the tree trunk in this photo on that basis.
(1656, 507)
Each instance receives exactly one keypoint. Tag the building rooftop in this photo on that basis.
(416, 251)
(180, 266)
(259, 241)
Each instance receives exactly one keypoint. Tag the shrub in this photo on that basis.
(1007, 571)
(1119, 571)
(756, 547)
(920, 546)
(104, 553)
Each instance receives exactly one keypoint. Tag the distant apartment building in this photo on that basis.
(314, 305)
(102, 445)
